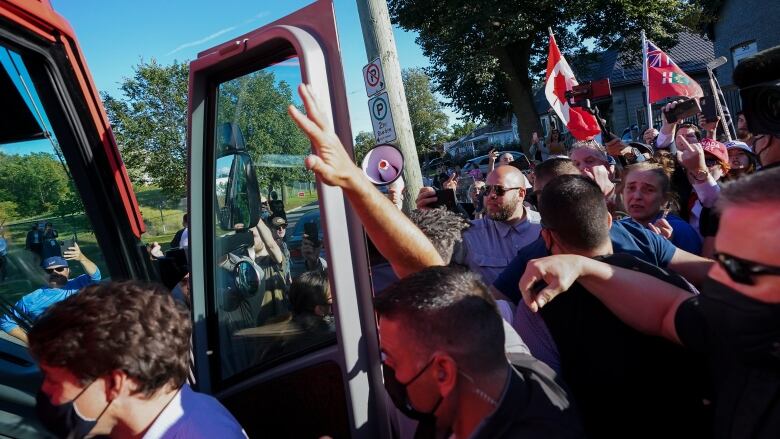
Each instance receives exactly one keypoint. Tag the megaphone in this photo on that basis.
(383, 164)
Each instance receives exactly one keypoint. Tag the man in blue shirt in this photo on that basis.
(59, 287)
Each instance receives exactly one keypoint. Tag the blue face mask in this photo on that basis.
(64, 420)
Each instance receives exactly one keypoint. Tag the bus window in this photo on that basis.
(271, 294)
(48, 248)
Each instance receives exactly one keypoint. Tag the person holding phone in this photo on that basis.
(538, 150)
(58, 287)
(491, 242)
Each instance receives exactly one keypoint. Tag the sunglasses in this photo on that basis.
(711, 162)
(282, 227)
(57, 269)
(498, 190)
(742, 270)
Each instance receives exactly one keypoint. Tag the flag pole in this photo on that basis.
(646, 81)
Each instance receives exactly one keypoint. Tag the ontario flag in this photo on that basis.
(560, 78)
(664, 78)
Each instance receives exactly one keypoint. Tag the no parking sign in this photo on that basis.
(373, 77)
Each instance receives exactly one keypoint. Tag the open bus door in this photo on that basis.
(54, 139)
(282, 369)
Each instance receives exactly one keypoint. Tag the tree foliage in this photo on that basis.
(429, 123)
(257, 103)
(485, 55)
(150, 125)
(460, 130)
(31, 184)
(363, 142)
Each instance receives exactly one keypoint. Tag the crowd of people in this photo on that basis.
(619, 290)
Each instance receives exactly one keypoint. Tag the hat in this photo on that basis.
(643, 148)
(54, 262)
(738, 145)
(278, 221)
(715, 148)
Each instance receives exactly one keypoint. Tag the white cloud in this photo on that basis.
(202, 40)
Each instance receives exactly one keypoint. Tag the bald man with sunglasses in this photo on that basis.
(491, 242)
(58, 287)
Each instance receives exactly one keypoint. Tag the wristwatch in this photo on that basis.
(699, 176)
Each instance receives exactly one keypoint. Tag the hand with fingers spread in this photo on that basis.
(691, 157)
(330, 160)
(662, 227)
(547, 277)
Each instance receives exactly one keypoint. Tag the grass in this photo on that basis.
(162, 216)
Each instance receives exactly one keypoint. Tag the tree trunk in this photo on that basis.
(514, 60)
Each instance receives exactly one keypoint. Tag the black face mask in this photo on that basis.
(64, 420)
(743, 325)
(400, 397)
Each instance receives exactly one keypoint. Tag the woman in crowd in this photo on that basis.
(648, 198)
(742, 159)
(475, 196)
(555, 144)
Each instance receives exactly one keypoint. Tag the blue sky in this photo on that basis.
(116, 35)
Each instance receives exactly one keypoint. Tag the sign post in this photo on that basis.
(382, 118)
(373, 77)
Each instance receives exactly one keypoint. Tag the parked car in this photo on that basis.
(481, 162)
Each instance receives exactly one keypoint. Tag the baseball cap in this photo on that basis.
(738, 145)
(715, 148)
(54, 262)
(278, 221)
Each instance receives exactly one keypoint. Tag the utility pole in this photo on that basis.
(379, 40)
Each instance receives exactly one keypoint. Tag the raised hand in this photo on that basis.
(330, 160)
(451, 183)
(690, 155)
(73, 253)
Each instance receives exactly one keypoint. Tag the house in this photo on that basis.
(483, 138)
(741, 28)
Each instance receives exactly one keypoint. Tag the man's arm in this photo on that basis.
(692, 267)
(641, 301)
(19, 333)
(270, 243)
(74, 254)
(406, 247)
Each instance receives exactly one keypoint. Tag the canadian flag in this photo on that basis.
(558, 80)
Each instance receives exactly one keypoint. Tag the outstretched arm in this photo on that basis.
(641, 301)
(74, 254)
(406, 248)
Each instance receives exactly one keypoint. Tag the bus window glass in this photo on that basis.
(48, 249)
(272, 295)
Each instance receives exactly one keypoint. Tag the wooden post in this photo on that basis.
(379, 41)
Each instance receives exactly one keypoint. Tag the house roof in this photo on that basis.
(692, 53)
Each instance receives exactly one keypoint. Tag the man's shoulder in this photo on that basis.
(198, 416)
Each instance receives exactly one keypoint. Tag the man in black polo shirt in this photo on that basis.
(625, 383)
(734, 323)
(443, 352)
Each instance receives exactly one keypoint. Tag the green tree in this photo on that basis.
(459, 130)
(149, 124)
(34, 183)
(363, 142)
(257, 103)
(429, 123)
(485, 54)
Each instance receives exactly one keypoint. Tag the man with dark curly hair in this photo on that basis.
(115, 360)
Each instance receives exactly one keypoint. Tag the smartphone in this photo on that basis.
(446, 198)
(312, 233)
(66, 245)
(684, 109)
(708, 108)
